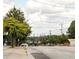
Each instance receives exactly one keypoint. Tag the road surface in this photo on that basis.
(47, 52)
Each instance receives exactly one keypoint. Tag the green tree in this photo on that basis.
(16, 29)
(71, 30)
(64, 39)
(16, 13)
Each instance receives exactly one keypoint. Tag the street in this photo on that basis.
(47, 52)
(40, 52)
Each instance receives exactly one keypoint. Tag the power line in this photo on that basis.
(61, 28)
(50, 22)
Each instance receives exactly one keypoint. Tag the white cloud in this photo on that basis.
(7, 5)
(41, 14)
(50, 11)
(8, 1)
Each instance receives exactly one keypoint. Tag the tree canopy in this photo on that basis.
(49, 40)
(71, 30)
(14, 24)
(16, 13)
(11, 25)
(15, 28)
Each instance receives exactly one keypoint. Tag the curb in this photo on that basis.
(29, 54)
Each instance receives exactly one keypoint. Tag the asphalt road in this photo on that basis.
(47, 52)
(38, 55)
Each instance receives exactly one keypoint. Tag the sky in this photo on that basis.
(45, 15)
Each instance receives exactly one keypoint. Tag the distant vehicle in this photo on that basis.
(25, 45)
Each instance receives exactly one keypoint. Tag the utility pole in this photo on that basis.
(33, 39)
(50, 36)
(50, 32)
(61, 28)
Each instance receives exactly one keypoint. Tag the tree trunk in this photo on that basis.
(13, 42)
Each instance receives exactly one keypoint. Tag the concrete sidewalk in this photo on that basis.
(17, 53)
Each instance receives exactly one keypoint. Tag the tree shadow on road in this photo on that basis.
(40, 56)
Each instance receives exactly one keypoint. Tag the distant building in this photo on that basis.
(72, 42)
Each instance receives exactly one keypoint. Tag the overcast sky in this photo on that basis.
(45, 15)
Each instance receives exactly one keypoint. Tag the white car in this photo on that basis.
(25, 45)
